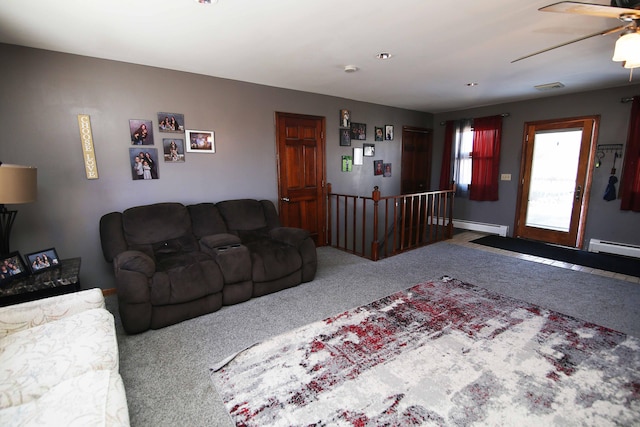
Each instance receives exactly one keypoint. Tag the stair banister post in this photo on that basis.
(453, 195)
(375, 195)
(328, 236)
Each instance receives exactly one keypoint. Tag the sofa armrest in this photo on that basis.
(26, 315)
(218, 241)
(289, 235)
(135, 261)
(133, 269)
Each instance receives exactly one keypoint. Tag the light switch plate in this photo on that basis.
(505, 177)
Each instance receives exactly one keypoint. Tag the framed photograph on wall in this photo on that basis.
(144, 163)
(377, 167)
(388, 132)
(379, 134)
(173, 150)
(386, 170)
(200, 141)
(357, 156)
(345, 137)
(141, 132)
(358, 131)
(345, 118)
(347, 163)
(369, 150)
(43, 260)
(11, 267)
(171, 122)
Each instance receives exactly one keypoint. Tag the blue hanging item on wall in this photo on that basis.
(610, 192)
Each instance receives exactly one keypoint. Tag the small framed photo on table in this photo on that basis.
(43, 260)
(11, 267)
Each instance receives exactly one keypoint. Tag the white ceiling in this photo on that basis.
(437, 46)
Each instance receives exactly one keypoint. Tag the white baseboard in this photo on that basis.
(597, 245)
(501, 230)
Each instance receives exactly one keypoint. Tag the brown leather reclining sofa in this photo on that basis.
(174, 262)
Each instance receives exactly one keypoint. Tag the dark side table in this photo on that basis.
(56, 281)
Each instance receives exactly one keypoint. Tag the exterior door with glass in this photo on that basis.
(555, 180)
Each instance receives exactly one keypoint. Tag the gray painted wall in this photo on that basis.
(42, 93)
(605, 220)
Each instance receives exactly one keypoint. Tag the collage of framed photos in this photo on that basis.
(144, 157)
(13, 266)
(352, 131)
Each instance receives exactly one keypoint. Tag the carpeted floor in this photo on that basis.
(600, 261)
(165, 372)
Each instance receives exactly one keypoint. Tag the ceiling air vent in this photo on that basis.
(549, 86)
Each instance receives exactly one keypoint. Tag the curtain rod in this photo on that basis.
(503, 115)
(625, 100)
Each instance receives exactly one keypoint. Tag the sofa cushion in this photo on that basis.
(159, 228)
(206, 220)
(243, 214)
(272, 260)
(95, 398)
(34, 360)
(185, 278)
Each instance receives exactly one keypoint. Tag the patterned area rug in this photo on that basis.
(440, 353)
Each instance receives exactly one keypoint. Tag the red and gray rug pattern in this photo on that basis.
(440, 353)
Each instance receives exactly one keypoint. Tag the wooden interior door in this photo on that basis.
(555, 180)
(415, 177)
(416, 160)
(301, 173)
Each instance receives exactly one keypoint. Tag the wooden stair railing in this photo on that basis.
(405, 222)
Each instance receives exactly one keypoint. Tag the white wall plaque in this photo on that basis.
(89, 155)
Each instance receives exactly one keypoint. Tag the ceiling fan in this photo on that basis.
(627, 48)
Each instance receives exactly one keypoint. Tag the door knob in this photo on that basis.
(285, 199)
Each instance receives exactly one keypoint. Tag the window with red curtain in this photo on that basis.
(630, 184)
(485, 160)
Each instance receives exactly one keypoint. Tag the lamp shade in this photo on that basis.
(19, 184)
(628, 49)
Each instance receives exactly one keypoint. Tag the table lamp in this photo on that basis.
(18, 184)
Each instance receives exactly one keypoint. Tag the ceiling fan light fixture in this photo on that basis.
(628, 49)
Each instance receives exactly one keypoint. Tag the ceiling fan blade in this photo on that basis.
(589, 9)
(599, 33)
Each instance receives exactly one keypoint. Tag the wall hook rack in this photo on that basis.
(607, 148)
(602, 149)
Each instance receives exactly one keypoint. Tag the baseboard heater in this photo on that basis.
(501, 230)
(597, 245)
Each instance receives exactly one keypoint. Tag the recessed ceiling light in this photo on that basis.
(350, 68)
(383, 55)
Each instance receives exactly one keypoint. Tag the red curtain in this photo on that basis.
(445, 172)
(630, 184)
(485, 160)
